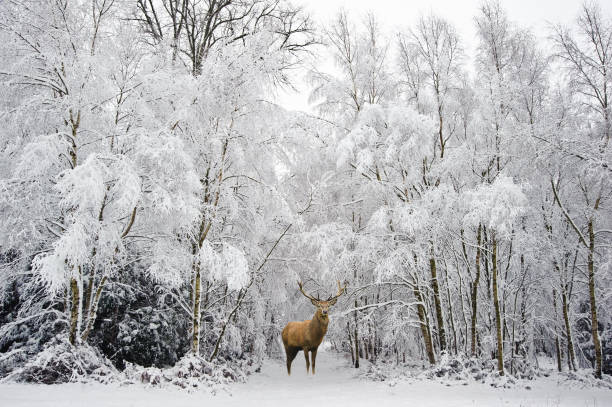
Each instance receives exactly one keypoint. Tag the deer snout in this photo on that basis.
(324, 312)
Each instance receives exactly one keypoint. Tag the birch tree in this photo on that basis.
(586, 56)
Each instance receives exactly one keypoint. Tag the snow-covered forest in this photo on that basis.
(158, 206)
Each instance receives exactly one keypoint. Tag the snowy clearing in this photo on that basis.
(334, 382)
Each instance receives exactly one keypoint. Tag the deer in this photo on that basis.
(307, 335)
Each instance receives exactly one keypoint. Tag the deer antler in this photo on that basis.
(341, 291)
(310, 297)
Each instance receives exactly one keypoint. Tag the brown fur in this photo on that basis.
(306, 335)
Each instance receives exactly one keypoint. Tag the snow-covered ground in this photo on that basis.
(333, 385)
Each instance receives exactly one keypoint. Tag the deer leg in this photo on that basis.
(291, 353)
(313, 356)
(307, 361)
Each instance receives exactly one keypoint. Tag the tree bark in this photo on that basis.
(356, 339)
(437, 304)
(558, 350)
(92, 313)
(424, 325)
(500, 346)
(450, 310)
(465, 332)
(571, 355)
(197, 292)
(475, 291)
(74, 310)
(204, 229)
(348, 331)
(557, 346)
(594, 324)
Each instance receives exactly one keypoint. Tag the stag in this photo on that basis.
(308, 335)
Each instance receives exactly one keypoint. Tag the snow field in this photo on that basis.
(334, 384)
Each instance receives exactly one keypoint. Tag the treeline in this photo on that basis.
(140, 198)
(155, 204)
(476, 202)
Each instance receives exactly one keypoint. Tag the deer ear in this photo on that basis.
(314, 302)
(333, 302)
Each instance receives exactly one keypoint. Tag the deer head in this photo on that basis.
(323, 305)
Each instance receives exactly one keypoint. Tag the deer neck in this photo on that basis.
(318, 323)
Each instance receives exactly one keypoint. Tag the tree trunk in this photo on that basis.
(463, 333)
(204, 229)
(558, 349)
(437, 304)
(74, 310)
(571, 355)
(356, 337)
(75, 286)
(376, 349)
(498, 322)
(88, 291)
(348, 331)
(195, 337)
(475, 291)
(424, 325)
(557, 346)
(450, 310)
(594, 325)
(440, 125)
(92, 313)
(369, 349)
(356, 340)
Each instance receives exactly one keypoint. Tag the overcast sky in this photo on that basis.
(395, 14)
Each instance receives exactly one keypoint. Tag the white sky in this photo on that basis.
(395, 14)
